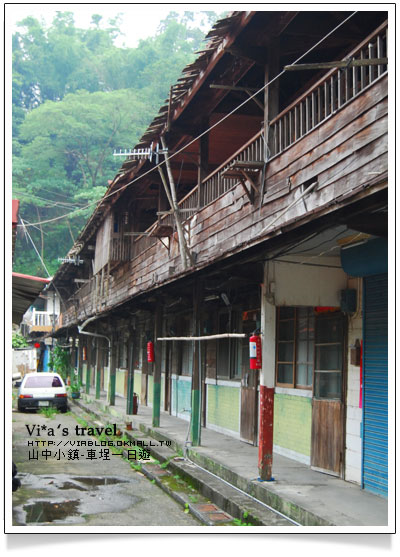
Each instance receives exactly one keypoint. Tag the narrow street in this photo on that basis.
(67, 483)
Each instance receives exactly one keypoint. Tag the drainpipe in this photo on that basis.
(111, 377)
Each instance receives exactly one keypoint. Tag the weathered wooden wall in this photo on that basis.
(343, 154)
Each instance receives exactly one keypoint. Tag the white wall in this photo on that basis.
(24, 361)
(353, 412)
(295, 284)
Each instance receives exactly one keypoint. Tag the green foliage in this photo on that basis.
(76, 97)
(75, 386)
(60, 361)
(49, 412)
(18, 341)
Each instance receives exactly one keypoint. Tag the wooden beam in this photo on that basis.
(338, 64)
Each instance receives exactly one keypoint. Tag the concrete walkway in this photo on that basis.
(308, 497)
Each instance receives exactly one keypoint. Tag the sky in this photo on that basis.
(139, 21)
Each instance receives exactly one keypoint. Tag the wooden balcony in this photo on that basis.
(334, 137)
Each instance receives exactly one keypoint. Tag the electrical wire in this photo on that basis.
(35, 248)
(42, 262)
(50, 203)
(167, 158)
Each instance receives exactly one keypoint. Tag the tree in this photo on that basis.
(68, 148)
(76, 98)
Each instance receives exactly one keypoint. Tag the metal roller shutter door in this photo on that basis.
(375, 407)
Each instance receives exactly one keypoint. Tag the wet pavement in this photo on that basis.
(69, 483)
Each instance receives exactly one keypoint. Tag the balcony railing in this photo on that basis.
(40, 320)
(332, 92)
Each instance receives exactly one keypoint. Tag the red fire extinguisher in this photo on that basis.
(255, 352)
(150, 351)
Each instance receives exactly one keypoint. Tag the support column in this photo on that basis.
(195, 421)
(157, 364)
(98, 367)
(131, 372)
(271, 96)
(89, 359)
(80, 360)
(203, 163)
(267, 385)
(112, 372)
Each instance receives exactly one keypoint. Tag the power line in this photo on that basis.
(34, 247)
(167, 158)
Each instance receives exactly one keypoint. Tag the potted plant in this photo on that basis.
(75, 389)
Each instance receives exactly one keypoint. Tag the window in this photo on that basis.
(329, 357)
(295, 347)
(228, 355)
(186, 347)
(123, 355)
(45, 381)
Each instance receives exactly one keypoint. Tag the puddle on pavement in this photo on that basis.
(95, 482)
(72, 485)
(46, 511)
(82, 495)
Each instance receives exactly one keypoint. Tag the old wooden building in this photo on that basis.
(256, 201)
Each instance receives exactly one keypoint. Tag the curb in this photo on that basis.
(207, 513)
(257, 490)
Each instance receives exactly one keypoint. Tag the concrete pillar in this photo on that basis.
(195, 420)
(88, 366)
(99, 364)
(267, 383)
(157, 364)
(131, 365)
(80, 359)
(112, 372)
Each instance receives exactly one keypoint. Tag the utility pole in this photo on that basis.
(175, 209)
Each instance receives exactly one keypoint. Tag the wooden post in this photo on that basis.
(203, 165)
(157, 364)
(195, 425)
(271, 96)
(182, 242)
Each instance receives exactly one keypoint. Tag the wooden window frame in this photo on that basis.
(293, 363)
(235, 361)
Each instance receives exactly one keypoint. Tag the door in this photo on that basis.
(249, 382)
(327, 430)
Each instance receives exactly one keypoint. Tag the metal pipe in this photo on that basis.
(208, 337)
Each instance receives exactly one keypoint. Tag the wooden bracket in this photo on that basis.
(245, 171)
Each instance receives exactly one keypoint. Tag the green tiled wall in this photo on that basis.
(181, 396)
(137, 383)
(149, 390)
(106, 372)
(223, 406)
(162, 391)
(292, 423)
(120, 382)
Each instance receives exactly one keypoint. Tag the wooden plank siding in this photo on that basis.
(343, 153)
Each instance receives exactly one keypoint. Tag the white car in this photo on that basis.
(40, 390)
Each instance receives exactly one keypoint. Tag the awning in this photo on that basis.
(366, 259)
(25, 290)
